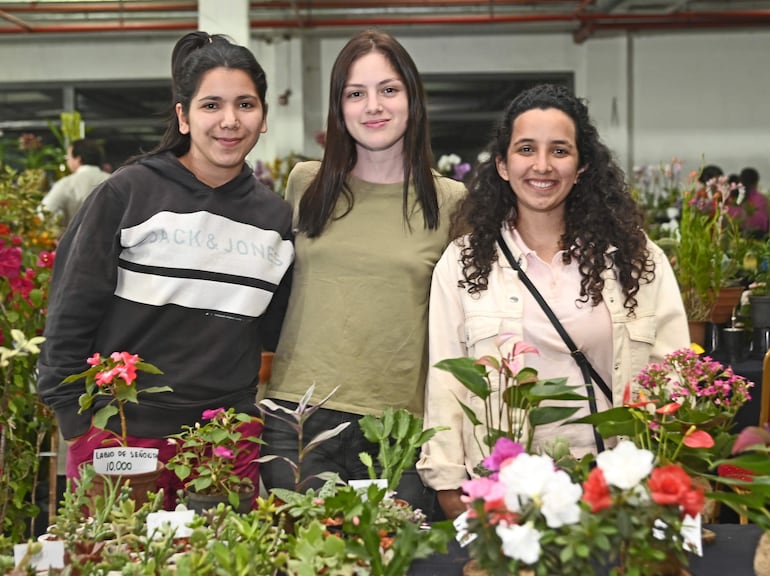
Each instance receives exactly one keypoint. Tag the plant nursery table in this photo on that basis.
(732, 553)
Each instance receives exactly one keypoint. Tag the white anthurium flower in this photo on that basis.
(520, 542)
(560, 500)
(526, 478)
(625, 465)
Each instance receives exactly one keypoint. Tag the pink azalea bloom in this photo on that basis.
(504, 449)
(211, 414)
(127, 373)
(484, 488)
(94, 360)
(223, 452)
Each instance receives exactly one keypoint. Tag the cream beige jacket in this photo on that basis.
(465, 325)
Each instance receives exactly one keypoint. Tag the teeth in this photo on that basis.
(540, 184)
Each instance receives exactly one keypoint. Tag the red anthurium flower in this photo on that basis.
(669, 408)
(698, 439)
(735, 472)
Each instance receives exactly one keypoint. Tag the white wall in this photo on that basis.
(692, 95)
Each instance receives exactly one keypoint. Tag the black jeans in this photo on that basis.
(338, 454)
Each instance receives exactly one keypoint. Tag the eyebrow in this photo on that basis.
(565, 143)
(388, 81)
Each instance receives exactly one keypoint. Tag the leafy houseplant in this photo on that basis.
(206, 453)
(399, 434)
(512, 394)
(114, 377)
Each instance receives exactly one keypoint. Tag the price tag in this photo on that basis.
(177, 521)
(50, 556)
(363, 485)
(464, 537)
(691, 533)
(125, 461)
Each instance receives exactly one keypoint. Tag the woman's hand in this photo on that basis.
(450, 503)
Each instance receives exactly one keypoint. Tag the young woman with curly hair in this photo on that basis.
(552, 192)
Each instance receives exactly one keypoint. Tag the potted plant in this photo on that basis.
(205, 459)
(702, 250)
(114, 377)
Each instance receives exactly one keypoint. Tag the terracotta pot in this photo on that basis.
(140, 484)
(202, 502)
(266, 368)
(727, 299)
(697, 332)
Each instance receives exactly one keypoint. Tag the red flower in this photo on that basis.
(669, 484)
(211, 414)
(10, 261)
(596, 492)
(698, 439)
(692, 502)
(736, 472)
(669, 408)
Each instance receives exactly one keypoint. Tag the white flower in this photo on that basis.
(560, 500)
(625, 465)
(526, 477)
(483, 157)
(520, 542)
(447, 162)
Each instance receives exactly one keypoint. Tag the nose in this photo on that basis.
(229, 118)
(542, 163)
(373, 104)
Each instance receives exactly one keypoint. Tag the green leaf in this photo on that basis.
(469, 374)
(103, 415)
(555, 389)
(470, 414)
(547, 414)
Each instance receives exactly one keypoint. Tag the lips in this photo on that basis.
(375, 123)
(228, 142)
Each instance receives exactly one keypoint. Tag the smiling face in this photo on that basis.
(375, 105)
(225, 120)
(541, 163)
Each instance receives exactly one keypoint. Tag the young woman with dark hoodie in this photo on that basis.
(181, 257)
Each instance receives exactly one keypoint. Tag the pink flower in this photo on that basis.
(222, 452)
(485, 488)
(10, 261)
(504, 449)
(105, 377)
(94, 360)
(211, 414)
(45, 259)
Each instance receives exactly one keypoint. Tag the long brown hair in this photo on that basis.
(318, 203)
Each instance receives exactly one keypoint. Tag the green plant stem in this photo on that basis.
(123, 424)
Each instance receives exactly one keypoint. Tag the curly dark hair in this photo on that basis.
(600, 212)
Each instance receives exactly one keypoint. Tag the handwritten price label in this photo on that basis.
(125, 461)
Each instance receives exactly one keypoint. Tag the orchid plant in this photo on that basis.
(206, 452)
(625, 513)
(114, 377)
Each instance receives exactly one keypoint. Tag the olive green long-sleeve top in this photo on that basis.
(358, 311)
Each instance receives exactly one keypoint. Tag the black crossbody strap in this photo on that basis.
(589, 374)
